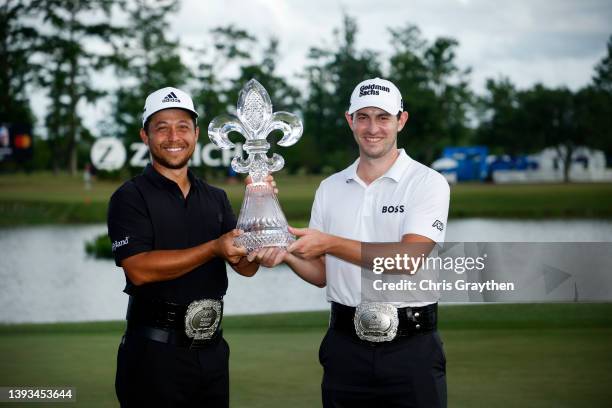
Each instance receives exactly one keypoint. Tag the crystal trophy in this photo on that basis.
(261, 217)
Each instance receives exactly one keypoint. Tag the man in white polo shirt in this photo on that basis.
(374, 353)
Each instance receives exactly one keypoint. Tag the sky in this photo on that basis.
(554, 42)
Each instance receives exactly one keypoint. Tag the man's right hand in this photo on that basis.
(225, 248)
(268, 257)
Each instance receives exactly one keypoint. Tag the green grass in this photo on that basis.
(44, 198)
(525, 355)
(532, 200)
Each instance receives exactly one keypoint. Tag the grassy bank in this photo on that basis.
(44, 198)
(531, 355)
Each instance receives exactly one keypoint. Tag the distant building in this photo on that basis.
(587, 165)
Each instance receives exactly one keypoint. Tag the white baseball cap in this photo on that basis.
(167, 98)
(378, 93)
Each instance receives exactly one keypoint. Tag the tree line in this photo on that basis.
(62, 48)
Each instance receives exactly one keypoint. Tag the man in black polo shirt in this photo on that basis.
(172, 233)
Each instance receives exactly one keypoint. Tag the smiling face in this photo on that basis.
(171, 137)
(375, 131)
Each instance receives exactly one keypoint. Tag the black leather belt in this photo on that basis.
(163, 322)
(412, 320)
(156, 313)
(173, 337)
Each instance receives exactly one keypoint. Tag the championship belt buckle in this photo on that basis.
(203, 318)
(376, 322)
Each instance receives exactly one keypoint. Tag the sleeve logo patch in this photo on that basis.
(438, 224)
(119, 244)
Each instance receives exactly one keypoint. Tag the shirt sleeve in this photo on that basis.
(316, 214)
(129, 226)
(429, 212)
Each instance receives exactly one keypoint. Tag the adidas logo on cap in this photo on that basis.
(174, 98)
(171, 97)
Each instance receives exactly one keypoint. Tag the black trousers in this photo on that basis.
(408, 372)
(153, 374)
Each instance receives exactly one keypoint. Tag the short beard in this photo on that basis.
(174, 166)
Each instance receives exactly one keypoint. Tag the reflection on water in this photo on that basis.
(46, 275)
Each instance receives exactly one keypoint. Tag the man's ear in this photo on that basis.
(197, 133)
(144, 137)
(349, 119)
(402, 120)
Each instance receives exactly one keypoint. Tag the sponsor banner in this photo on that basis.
(16, 141)
(487, 272)
(109, 153)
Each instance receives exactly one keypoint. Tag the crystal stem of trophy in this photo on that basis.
(261, 217)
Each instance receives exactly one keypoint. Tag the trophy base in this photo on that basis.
(253, 240)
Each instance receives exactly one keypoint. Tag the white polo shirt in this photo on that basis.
(347, 207)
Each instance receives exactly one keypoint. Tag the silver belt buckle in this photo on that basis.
(203, 318)
(376, 322)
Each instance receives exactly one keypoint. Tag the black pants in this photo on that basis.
(153, 374)
(408, 372)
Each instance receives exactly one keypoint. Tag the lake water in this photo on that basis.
(47, 277)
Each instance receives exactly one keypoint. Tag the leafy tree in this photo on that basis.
(146, 60)
(602, 79)
(408, 71)
(19, 39)
(527, 121)
(595, 103)
(331, 76)
(435, 91)
(216, 91)
(500, 125)
(68, 66)
(550, 119)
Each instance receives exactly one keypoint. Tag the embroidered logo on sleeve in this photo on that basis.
(119, 244)
(438, 224)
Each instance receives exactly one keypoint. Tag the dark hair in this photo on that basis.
(148, 122)
(399, 115)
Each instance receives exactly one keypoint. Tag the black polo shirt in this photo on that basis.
(150, 213)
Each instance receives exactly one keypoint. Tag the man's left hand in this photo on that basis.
(268, 257)
(311, 243)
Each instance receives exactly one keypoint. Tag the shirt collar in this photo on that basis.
(395, 172)
(399, 167)
(164, 182)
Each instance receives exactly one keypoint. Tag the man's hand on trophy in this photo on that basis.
(224, 247)
(268, 257)
(311, 243)
(269, 180)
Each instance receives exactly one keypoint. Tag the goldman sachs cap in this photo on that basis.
(378, 93)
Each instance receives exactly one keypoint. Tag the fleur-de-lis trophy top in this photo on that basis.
(255, 122)
(261, 217)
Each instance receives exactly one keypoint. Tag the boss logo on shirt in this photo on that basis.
(438, 224)
(392, 209)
